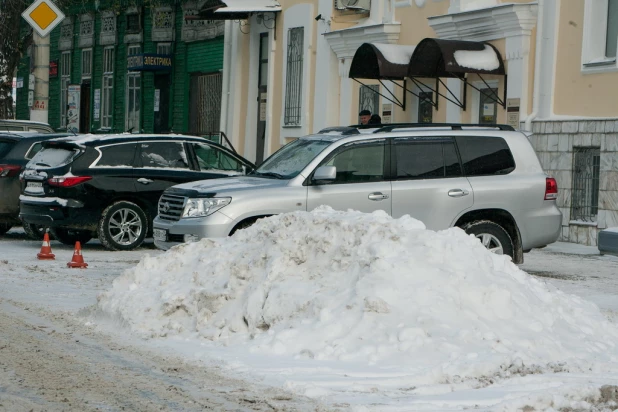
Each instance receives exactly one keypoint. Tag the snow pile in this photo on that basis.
(365, 288)
(485, 59)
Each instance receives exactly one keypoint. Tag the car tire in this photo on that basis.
(123, 226)
(5, 227)
(70, 236)
(492, 236)
(34, 232)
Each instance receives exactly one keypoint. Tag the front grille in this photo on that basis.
(171, 207)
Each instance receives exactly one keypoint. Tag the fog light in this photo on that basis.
(191, 238)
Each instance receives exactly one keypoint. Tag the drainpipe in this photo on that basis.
(225, 86)
(537, 68)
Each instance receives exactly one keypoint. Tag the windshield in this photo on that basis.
(290, 160)
(52, 157)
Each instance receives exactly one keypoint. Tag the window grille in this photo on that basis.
(86, 63)
(65, 80)
(66, 31)
(108, 24)
(209, 88)
(163, 19)
(294, 77)
(612, 29)
(86, 28)
(369, 99)
(108, 88)
(425, 107)
(133, 23)
(585, 195)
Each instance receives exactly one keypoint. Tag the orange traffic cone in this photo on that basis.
(46, 252)
(78, 259)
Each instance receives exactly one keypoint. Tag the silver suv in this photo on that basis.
(484, 179)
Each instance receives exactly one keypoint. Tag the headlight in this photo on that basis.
(204, 207)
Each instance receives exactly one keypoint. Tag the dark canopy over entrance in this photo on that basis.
(431, 58)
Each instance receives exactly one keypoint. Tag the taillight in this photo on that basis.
(551, 189)
(9, 170)
(68, 181)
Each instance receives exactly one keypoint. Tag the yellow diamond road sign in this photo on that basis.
(43, 16)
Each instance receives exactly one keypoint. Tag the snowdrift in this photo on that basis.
(354, 287)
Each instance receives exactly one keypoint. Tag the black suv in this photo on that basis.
(16, 149)
(109, 185)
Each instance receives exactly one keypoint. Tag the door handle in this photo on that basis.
(458, 193)
(144, 180)
(377, 196)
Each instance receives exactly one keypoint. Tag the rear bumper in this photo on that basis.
(65, 213)
(9, 199)
(541, 227)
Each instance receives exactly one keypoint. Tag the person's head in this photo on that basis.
(375, 119)
(364, 116)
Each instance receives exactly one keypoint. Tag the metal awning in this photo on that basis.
(381, 61)
(431, 58)
(235, 9)
(454, 58)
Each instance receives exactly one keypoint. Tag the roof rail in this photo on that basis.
(343, 130)
(453, 126)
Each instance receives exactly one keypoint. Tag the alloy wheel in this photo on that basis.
(125, 226)
(491, 243)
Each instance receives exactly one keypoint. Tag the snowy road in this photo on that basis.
(51, 360)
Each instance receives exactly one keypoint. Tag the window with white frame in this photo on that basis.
(600, 40)
(86, 63)
(164, 48)
(134, 93)
(65, 80)
(294, 77)
(107, 106)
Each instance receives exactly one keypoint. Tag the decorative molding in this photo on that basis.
(345, 42)
(65, 42)
(109, 34)
(508, 20)
(163, 23)
(86, 30)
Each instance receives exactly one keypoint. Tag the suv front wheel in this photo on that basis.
(123, 226)
(492, 236)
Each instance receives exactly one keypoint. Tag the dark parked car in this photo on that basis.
(16, 149)
(108, 186)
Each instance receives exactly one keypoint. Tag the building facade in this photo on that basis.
(132, 67)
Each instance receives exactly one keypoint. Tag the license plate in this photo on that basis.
(34, 184)
(159, 234)
(34, 188)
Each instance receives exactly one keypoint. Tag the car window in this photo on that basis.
(213, 159)
(358, 163)
(53, 157)
(426, 160)
(119, 155)
(5, 128)
(39, 129)
(485, 155)
(34, 149)
(167, 155)
(5, 147)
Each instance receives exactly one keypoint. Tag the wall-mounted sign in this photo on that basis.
(73, 99)
(387, 113)
(30, 98)
(97, 104)
(53, 69)
(19, 83)
(149, 62)
(43, 16)
(31, 82)
(512, 112)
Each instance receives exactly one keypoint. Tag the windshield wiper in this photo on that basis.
(269, 174)
(42, 164)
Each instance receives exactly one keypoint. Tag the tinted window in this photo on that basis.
(427, 160)
(120, 155)
(164, 155)
(5, 147)
(34, 149)
(451, 161)
(485, 155)
(211, 158)
(359, 163)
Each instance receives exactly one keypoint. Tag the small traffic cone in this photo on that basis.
(46, 252)
(78, 259)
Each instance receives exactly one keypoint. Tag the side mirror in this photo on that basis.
(325, 173)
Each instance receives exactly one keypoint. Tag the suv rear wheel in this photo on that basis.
(123, 226)
(34, 232)
(5, 227)
(492, 236)
(70, 236)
